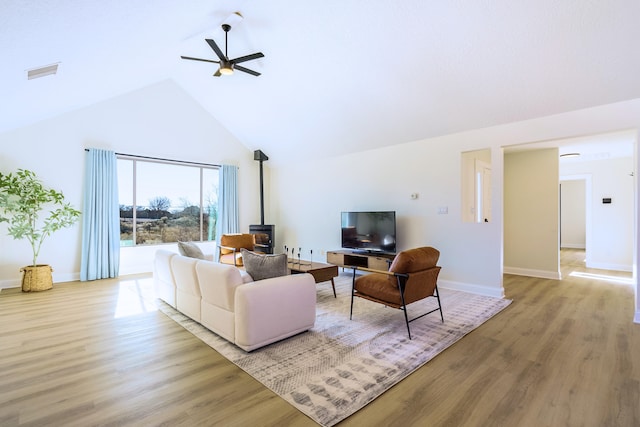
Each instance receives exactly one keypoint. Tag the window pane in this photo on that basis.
(168, 203)
(125, 196)
(209, 204)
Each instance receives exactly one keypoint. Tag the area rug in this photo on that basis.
(341, 365)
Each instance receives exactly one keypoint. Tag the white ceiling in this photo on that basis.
(338, 76)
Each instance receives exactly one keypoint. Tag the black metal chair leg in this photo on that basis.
(404, 306)
(439, 305)
(406, 319)
(353, 291)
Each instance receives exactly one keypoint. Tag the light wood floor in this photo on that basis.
(564, 353)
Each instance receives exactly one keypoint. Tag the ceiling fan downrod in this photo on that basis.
(226, 28)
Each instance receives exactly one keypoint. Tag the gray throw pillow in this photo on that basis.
(261, 266)
(190, 249)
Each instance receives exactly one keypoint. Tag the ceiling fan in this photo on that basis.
(227, 65)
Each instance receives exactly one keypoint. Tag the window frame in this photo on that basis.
(201, 168)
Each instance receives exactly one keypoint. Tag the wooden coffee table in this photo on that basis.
(321, 272)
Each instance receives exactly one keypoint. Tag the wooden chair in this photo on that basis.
(412, 276)
(230, 245)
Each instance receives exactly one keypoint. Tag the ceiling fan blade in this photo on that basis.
(216, 49)
(247, 58)
(246, 70)
(199, 59)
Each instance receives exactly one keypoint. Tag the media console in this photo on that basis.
(347, 258)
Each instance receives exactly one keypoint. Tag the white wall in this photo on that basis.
(384, 179)
(611, 226)
(304, 199)
(308, 212)
(311, 194)
(531, 213)
(573, 227)
(160, 121)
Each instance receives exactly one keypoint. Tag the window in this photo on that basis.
(166, 201)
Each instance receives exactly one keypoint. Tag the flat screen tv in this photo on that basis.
(369, 231)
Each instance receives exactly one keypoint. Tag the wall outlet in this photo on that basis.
(443, 210)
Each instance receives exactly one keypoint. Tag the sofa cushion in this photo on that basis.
(188, 295)
(190, 250)
(261, 266)
(218, 283)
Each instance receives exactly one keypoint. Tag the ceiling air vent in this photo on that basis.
(48, 70)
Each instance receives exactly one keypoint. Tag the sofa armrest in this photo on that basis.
(165, 285)
(272, 309)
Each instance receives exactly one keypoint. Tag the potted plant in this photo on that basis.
(23, 199)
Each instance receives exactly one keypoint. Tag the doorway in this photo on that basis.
(605, 165)
(575, 218)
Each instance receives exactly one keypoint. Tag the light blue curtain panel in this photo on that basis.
(228, 218)
(100, 217)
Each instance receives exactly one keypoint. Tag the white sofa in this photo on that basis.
(227, 301)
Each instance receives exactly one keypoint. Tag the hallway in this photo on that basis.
(572, 267)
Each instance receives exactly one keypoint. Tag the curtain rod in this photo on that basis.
(162, 160)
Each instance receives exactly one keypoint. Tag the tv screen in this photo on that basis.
(369, 231)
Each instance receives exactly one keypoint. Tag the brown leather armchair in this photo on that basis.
(230, 245)
(412, 276)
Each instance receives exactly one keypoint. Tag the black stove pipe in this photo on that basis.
(261, 157)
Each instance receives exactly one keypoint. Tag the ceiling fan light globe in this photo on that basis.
(226, 71)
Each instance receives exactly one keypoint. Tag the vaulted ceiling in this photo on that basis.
(337, 76)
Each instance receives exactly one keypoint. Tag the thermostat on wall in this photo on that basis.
(606, 200)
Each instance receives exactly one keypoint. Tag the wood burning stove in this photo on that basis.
(264, 234)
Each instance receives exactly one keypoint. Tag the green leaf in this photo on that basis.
(23, 199)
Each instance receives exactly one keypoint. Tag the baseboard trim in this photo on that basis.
(543, 274)
(8, 284)
(607, 266)
(67, 277)
(573, 246)
(57, 278)
(489, 291)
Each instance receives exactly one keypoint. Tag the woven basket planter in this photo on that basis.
(37, 278)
